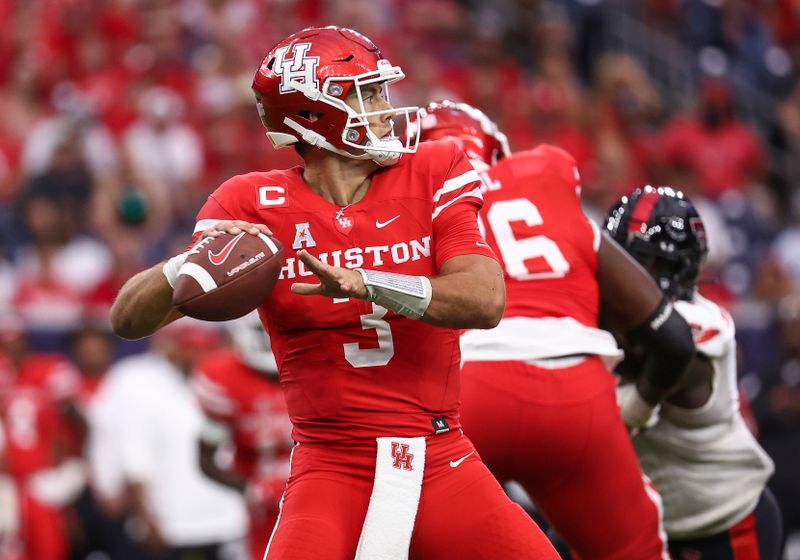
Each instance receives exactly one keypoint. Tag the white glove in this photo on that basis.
(636, 412)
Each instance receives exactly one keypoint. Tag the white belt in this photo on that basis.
(399, 466)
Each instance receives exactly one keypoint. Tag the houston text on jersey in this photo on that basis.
(357, 257)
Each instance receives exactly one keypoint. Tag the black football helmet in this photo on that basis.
(662, 230)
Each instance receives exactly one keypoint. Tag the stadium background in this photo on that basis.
(118, 117)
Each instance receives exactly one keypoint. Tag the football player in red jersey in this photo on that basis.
(239, 392)
(537, 394)
(370, 370)
(34, 391)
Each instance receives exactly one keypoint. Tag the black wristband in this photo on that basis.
(667, 338)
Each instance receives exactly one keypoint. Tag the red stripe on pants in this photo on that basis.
(744, 540)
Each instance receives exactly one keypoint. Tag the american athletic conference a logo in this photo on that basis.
(299, 68)
(401, 458)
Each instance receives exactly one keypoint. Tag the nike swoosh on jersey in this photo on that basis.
(379, 224)
(222, 255)
(481, 244)
(457, 462)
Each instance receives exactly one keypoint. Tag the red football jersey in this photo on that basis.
(36, 430)
(350, 368)
(252, 406)
(547, 246)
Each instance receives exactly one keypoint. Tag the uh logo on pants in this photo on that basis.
(401, 458)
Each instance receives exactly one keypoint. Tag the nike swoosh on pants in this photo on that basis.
(457, 462)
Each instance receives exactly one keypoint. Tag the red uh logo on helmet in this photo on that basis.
(401, 457)
(299, 67)
(314, 72)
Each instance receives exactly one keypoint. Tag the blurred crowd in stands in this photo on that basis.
(119, 117)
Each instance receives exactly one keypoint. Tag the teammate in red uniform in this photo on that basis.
(33, 391)
(239, 392)
(370, 370)
(537, 395)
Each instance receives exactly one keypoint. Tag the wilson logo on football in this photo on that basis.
(221, 256)
(252, 260)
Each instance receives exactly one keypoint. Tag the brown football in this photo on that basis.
(228, 276)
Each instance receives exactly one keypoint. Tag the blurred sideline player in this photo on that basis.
(698, 451)
(35, 389)
(537, 395)
(385, 234)
(246, 416)
(11, 546)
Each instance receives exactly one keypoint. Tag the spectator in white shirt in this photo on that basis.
(160, 145)
(144, 425)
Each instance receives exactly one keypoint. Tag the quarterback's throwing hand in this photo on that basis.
(335, 281)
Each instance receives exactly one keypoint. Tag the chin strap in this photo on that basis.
(316, 139)
(374, 150)
(378, 152)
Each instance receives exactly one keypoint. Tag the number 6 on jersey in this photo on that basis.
(517, 253)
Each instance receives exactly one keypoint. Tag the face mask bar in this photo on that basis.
(409, 141)
(385, 75)
(385, 151)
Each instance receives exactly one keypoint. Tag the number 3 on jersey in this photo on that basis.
(517, 254)
(372, 357)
